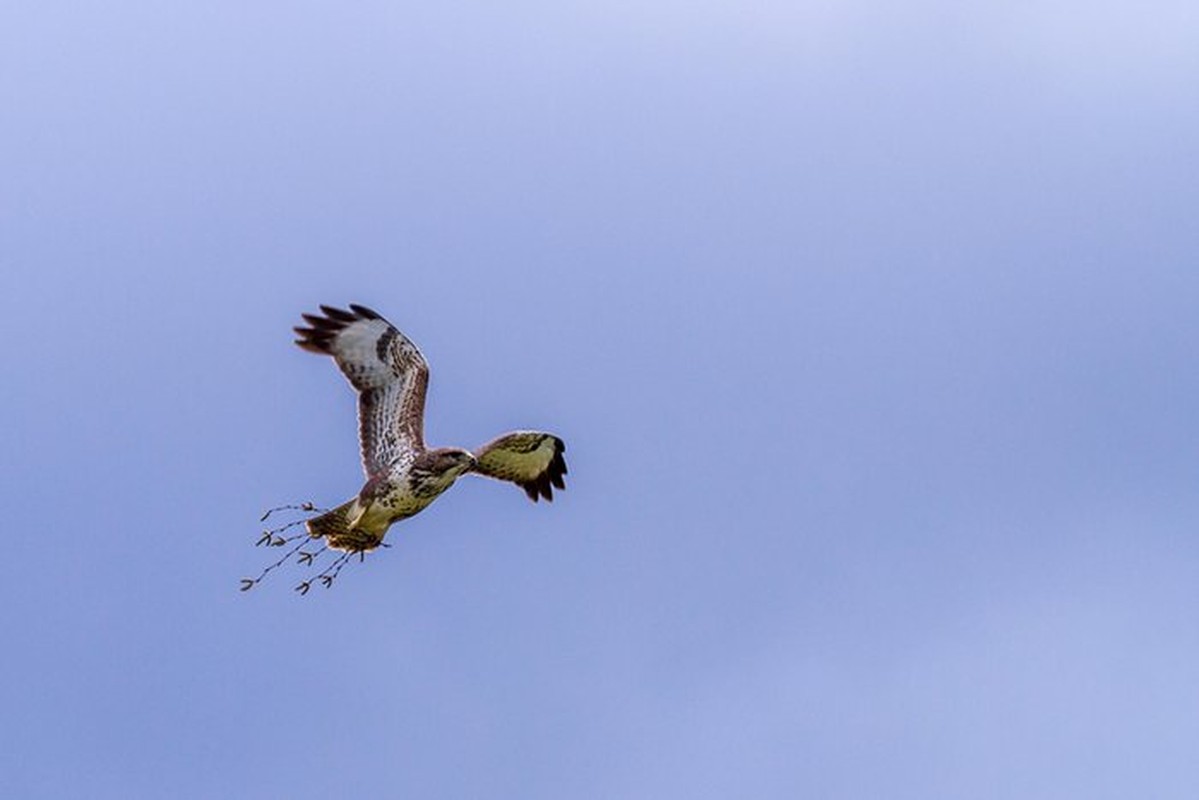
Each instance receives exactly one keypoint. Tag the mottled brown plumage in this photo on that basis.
(391, 377)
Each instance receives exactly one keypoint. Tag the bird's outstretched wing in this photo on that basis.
(388, 371)
(531, 459)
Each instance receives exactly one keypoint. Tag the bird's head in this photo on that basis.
(434, 471)
(450, 462)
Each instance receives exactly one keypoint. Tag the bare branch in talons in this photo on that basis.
(306, 506)
(295, 553)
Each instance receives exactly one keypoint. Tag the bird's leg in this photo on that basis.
(357, 518)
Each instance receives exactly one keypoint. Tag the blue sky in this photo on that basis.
(870, 329)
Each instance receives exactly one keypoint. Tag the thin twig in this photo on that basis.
(274, 538)
(247, 583)
(308, 506)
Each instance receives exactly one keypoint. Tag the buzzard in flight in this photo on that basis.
(403, 476)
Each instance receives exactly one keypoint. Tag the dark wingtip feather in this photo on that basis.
(323, 323)
(319, 337)
(542, 486)
(556, 470)
(364, 312)
(557, 466)
(338, 314)
(313, 340)
(311, 347)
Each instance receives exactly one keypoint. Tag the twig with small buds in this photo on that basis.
(307, 506)
(249, 583)
(274, 538)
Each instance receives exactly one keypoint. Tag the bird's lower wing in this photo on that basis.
(533, 460)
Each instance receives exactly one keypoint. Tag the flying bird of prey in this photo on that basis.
(403, 475)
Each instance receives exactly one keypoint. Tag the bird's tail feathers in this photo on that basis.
(335, 524)
(341, 530)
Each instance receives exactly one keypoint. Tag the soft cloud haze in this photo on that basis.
(870, 329)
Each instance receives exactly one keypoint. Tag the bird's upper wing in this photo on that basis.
(388, 371)
(531, 459)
